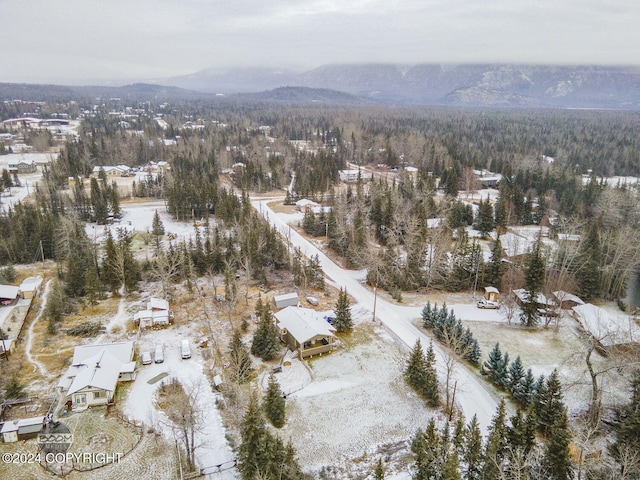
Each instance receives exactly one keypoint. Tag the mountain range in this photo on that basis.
(451, 85)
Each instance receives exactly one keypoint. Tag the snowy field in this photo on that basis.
(28, 181)
(357, 402)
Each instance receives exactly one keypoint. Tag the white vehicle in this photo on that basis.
(185, 349)
(484, 303)
(145, 357)
(158, 356)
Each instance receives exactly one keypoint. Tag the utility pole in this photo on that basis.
(42, 254)
(375, 298)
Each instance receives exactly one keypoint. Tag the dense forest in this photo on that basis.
(407, 228)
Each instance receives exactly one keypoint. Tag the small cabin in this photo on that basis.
(491, 293)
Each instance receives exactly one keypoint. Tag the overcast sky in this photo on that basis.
(77, 41)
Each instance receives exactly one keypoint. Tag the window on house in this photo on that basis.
(81, 399)
(101, 394)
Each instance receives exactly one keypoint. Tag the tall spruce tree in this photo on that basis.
(495, 267)
(274, 403)
(451, 467)
(496, 367)
(473, 454)
(241, 367)
(342, 310)
(516, 375)
(261, 454)
(415, 368)
(431, 388)
(534, 280)
(421, 374)
(266, 343)
(549, 405)
(627, 423)
(494, 452)
(484, 221)
(557, 457)
(587, 263)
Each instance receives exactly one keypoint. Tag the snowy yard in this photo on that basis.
(357, 402)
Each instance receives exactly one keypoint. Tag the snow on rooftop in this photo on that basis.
(303, 323)
(122, 351)
(9, 291)
(608, 328)
(101, 371)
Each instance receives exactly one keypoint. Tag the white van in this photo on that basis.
(158, 356)
(185, 349)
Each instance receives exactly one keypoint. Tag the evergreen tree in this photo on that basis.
(343, 321)
(549, 405)
(274, 403)
(587, 263)
(495, 367)
(515, 377)
(98, 203)
(431, 388)
(484, 221)
(157, 229)
(415, 369)
(424, 446)
(627, 422)
(521, 434)
(378, 473)
(114, 201)
(534, 279)
(6, 179)
(93, 286)
(495, 267)
(251, 453)
(421, 374)
(119, 268)
(557, 456)
(241, 367)
(58, 305)
(266, 343)
(523, 392)
(473, 454)
(496, 444)
(451, 467)
(13, 389)
(500, 212)
(458, 436)
(109, 274)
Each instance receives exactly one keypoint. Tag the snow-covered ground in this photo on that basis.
(28, 181)
(213, 448)
(472, 397)
(138, 217)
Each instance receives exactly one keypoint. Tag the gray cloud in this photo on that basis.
(80, 40)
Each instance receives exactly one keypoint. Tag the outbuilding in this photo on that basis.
(491, 293)
(8, 294)
(286, 300)
(29, 287)
(22, 429)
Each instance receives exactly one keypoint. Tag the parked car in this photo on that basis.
(145, 357)
(158, 356)
(484, 303)
(185, 349)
